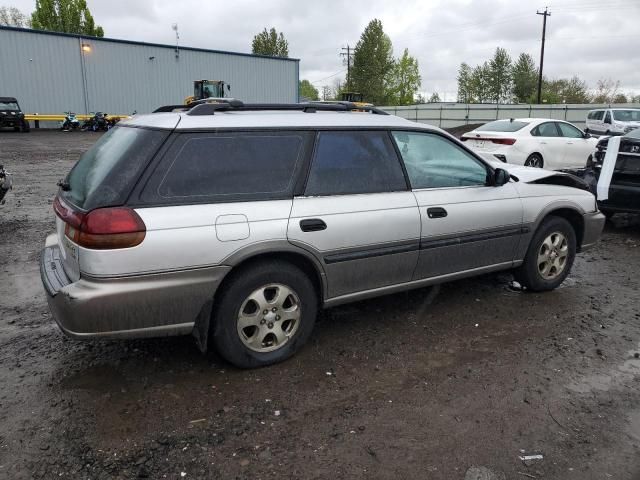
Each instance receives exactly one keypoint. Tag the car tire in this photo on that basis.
(534, 160)
(278, 303)
(25, 126)
(549, 257)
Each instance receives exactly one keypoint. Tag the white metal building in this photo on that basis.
(50, 72)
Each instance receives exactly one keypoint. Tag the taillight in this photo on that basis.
(103, 228)
(504, 141)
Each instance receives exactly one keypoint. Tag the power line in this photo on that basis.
(545, 14)
(332, 75)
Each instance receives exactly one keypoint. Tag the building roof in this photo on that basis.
(131, 42)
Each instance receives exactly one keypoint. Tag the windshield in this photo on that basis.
(626, 115)
(9, 106)
(635, 133)
(502, 126)
(104, 174)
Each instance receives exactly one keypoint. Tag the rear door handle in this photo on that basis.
(312, 225)
(436, 212)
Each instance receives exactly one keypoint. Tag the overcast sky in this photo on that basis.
(590, 38)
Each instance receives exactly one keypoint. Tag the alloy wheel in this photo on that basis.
(553, 255)
(269, 317)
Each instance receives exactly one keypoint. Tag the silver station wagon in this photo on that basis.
(235, 223)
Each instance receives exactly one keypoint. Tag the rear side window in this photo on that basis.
(105, 174)
(502, 126)
(354, 162)
(228, 166)
(547, 129)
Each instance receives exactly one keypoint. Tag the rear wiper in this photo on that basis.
(64, 185)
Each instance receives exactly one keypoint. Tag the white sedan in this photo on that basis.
(533, 142)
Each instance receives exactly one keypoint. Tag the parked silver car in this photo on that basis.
(237, 222)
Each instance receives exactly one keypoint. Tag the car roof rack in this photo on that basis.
(205, 107)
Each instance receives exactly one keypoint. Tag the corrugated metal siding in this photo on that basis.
(44, 72)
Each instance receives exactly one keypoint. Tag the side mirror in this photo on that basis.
(500, 177)
(586, 135)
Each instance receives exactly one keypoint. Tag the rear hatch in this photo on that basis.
(91, 199)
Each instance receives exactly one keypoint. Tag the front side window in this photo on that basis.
(354, 162)
(433, 161)
(231, 166)
(569, 131)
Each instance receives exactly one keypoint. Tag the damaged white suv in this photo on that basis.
(236, 223)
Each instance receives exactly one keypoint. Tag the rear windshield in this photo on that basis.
(105, 173)
(626, 115)
(502, 126)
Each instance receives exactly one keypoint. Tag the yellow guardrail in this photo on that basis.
(46, 117)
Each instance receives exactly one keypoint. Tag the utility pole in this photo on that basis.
(546, 14)
(348, 55)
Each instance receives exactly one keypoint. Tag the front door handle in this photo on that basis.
(312, 225)
(436, 212)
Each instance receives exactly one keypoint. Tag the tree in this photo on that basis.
(465, 87)
(525, 78)
(70, 16)
(308, 91)
(500, 77)
(270, 43)
(420, 99)
(373, 64)
(606, 90)
(620, 98)
(12, 17)
(481, 83)
(405, 80)
(326, 92)
(434, 98)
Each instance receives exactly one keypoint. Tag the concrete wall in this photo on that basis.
(50, 73)
(447, 115)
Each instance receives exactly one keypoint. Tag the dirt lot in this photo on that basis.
(456, 385)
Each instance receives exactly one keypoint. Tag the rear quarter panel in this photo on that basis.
(191, 236)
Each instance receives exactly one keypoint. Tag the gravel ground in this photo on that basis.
(453, 385)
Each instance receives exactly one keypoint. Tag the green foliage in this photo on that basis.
(500, 79)
(481, 84)
(465, 87)
(525, 78)
(434, 98)
(308, 91)
(405, 80)
(12, 17)
(373, 64)
(270, 43)
(69, 16)
(562, 90)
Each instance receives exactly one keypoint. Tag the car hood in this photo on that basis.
(525, 174)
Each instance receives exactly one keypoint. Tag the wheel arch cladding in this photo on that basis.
(204, 321)
(574, 218)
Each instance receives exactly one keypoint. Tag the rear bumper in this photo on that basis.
(163, 304)
(593, 226)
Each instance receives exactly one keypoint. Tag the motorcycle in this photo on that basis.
(99, 121)
(5, 183)
(70, 122)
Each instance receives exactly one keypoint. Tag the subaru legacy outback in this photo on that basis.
(237, 222)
